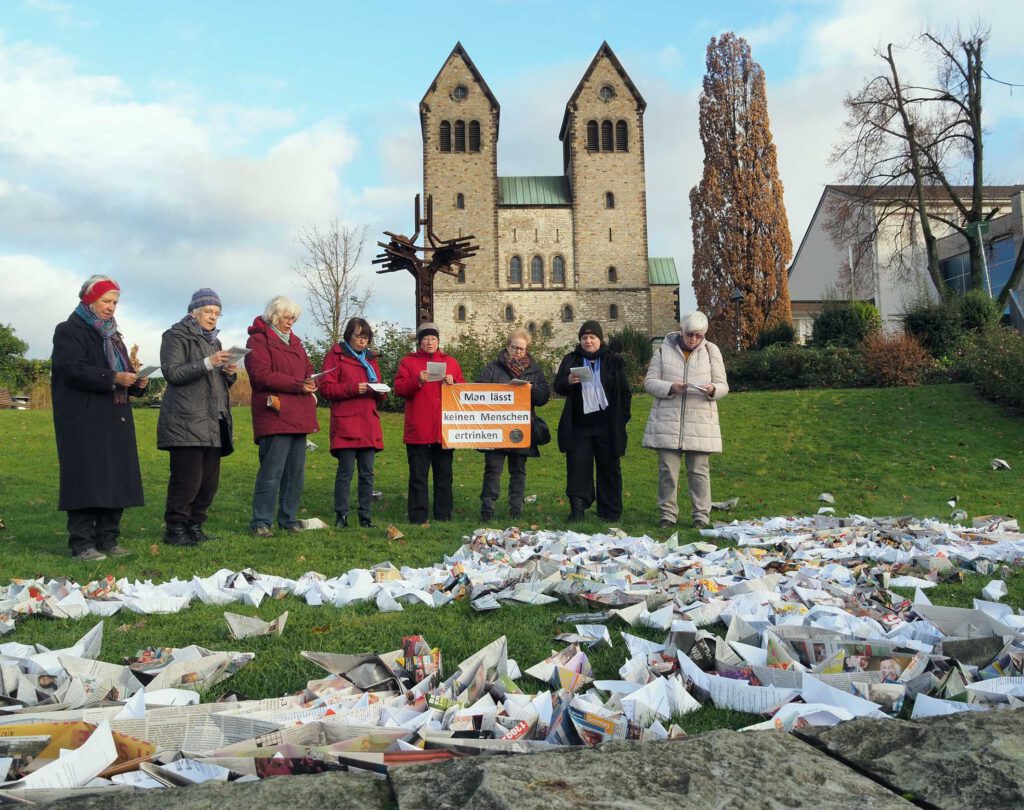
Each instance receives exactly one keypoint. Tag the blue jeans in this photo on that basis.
(282, 473)
(347, 460)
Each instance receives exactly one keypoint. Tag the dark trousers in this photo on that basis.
(93, 528)
(195, 475)
(347, 461)
(423, 457)
(280, 479)
(592, 444)
(494, 463)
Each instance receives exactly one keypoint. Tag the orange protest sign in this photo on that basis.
(485, 416)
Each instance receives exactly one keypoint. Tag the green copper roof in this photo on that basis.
(662, 270)
(534, 191)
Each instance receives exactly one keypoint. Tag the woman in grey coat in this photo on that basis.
(686, 378)
(514, 363)
(195, 417)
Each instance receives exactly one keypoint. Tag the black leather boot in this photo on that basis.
(177, 534)
(195, 531)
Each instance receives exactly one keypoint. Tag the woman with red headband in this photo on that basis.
(92, 378)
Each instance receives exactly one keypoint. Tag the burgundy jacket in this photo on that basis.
(423, 400)
(278, 369)
(355, 423)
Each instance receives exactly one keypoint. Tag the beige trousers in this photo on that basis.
(698, 479)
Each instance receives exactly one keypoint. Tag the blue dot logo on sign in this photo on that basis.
(515, 435)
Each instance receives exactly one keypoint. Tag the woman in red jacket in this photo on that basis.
(423, 424)
(350, 368)
(283, 413)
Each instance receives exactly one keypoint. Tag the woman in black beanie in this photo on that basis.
(592, 429)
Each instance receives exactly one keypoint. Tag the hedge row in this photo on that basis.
(994, 361)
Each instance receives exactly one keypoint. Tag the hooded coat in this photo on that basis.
(99, 460)
(423, 400)
(355, 422)
(279, 369)
(195, 398)
(686, 421)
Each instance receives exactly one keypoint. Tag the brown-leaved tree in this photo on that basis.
(740, 231)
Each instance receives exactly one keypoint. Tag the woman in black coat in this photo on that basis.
(592, 430)
(92, 378)
(195, 416)
(514, 363)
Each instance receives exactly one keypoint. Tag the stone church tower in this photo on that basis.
(554, 250)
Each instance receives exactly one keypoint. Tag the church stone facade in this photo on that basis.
(554, 250)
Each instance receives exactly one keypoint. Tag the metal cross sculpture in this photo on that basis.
(424, 261)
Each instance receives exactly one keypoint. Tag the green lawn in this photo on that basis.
(879, 452)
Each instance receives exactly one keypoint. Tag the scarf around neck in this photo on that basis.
(285, 336)
(594, 396)
(210, 335)
(516, 366)
(363, 358)
(113, 346)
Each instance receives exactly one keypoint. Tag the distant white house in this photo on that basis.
(891, 271)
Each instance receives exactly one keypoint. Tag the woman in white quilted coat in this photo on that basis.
(686, 378)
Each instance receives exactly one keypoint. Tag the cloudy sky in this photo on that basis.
(187, 144)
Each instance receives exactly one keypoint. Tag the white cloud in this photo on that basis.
(141, 192)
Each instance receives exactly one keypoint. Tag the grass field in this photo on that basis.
(878, 451)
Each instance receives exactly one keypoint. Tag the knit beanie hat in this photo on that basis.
(592, 328)
(426, 328)
(204, 297)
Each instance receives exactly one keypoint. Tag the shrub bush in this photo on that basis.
(636, 350)
(935, 325)
(391, 343)
(843, 323)
(993, 360)
(40, 395)
(978, 312)
(783, 366)
(897, 359)
(782, 332)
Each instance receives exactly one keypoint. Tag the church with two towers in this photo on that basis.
(554, 250)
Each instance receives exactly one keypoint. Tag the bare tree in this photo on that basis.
(328, 274)
(903, 146)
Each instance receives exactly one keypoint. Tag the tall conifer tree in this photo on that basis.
(740, 231)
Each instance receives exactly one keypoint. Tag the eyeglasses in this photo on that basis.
(517, 349)
(361, 337)
(694, 334)
(210, 311)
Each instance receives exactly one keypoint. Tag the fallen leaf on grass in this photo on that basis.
(394, 534)
(154, 550)
(325, 628)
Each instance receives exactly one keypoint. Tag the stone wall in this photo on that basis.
(604, 246)
(663, 310)
(608, 237)
(474, 175)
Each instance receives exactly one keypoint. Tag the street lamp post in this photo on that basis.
(737, 300)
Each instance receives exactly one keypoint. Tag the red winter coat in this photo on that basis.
(279, 369)
(355, 423)
(423, 400)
